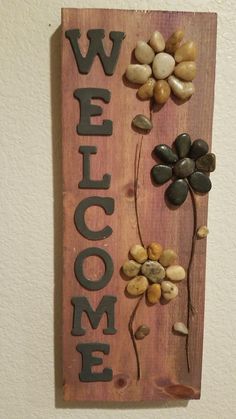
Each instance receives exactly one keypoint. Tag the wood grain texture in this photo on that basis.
(164, 373)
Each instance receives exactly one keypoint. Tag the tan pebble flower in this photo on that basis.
(157, 61)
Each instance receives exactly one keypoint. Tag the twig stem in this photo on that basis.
(151, 107)
(191, 309)
(131, 331)
(136, 180)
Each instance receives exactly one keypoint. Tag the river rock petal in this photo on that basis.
(142, 332)
(131, 268)
(186, 70)
(139, 253)
(169, 290)
(183, 144)
(198, 149)
(157, 42)
(200, 182)
(146, 90)
(175, 273)
(154, 293)
(161, 92)
(181, 89)
(142, 122)
(180, 328)
(165, 154)
(202, 232)
(144, 54)
(173, 42)
(177, 192)
(137, 286)
(138, 73)
(161, 173)
(187, 52)
(206, 163)
(154, 251)
(168, 257)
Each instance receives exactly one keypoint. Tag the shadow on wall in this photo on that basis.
(55, 70)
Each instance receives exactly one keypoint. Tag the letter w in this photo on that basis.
(95, 36)
(106, 305)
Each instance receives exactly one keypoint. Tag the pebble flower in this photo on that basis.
(188, 164)
(153, 271)
(164, 67)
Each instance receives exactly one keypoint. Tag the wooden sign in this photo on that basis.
(135, 205)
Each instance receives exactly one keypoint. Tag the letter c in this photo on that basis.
(106, 203)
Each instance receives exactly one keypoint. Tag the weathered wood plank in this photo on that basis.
(162, 354)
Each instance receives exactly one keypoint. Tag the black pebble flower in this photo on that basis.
(188, 164)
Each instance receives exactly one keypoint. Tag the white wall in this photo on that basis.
(30, 208)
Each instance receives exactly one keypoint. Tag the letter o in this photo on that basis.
(105, 278)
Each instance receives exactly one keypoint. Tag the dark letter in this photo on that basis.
(88, 183)
(88, 361)
(105, 278)
(106, 305)
(87, 110)
(95, 36)
(106, 203)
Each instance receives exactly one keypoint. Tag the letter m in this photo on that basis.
(81, 305)
(95, 37)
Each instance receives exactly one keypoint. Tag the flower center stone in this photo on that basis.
(184, 167)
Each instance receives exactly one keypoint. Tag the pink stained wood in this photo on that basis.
(164, 373)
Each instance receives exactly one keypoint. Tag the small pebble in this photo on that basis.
(173, 43)
(157, 42)
(202, 232)
(165, 153)
(154, 293)
(142, 122)
(163, 65)
(153, 270)
(144, 54)
(139, 253)
(142, 332)
(161, 173)
(146, 90)
(161, 92)
(181, 89)
(177, 192)
(168, 257)
(180, 328)
(169, 290)
(184, 167)
(154, 251)
(175, 273)
(207, 163)
(198, 149)
(187, 52)
(138, 73)
(186, 70)
(183, 145)
(200, 182)
(137, 286)
(131, 268)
